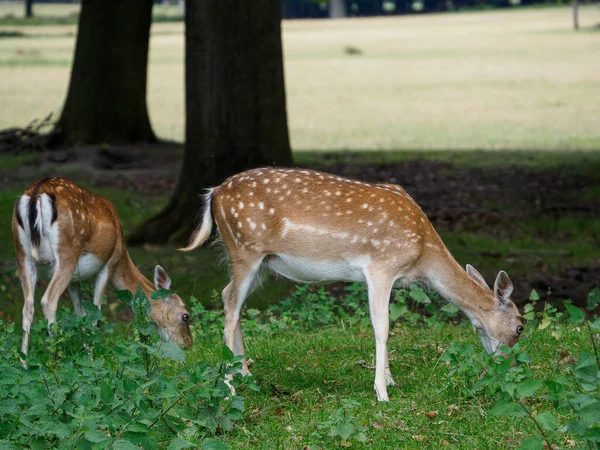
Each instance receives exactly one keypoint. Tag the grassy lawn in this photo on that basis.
(517, 79)
(316, 380)
(304, 376)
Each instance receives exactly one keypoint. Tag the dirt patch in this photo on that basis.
(455, 198)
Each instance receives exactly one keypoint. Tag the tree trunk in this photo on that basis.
(235, 105)
(576, 14)
(106, 101)
(28, 8)
(337, 9)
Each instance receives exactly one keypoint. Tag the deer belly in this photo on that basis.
(87, 267)
(305, 270)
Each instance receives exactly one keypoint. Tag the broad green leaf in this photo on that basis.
(170, 351)
(595, 325)
(576, 314)
(360, 437)
(528, 388)
(534, 443)
(591, 410)
(213, 444)
(507, 408)
(145, 440)
(8, 445)
(125, 296)
(418, 295)
(592, 433)
(534, 296)
(586, 368)
(554, 390)
(226, 353)
(174, 422)
(124, 444)
(146, 329)
(344, 430)
(137, 428)
(94, 436)
(238, 403)
(450, 309)
(106, 393)
(547, 421)
(593, 299)
(397, 310)
(160, 294)
(178, 444)
(60, 429)
(522, 358)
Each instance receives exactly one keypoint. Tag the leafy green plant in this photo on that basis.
(572, 397)
(341, 426)
(98, 392)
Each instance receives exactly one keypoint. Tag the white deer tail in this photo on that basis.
(203, 231)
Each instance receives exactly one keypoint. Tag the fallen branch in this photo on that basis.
(33, 137)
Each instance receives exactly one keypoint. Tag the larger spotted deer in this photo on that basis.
(79, 234)
(314, 227)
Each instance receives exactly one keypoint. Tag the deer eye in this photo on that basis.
(185, 317)
(519, 330)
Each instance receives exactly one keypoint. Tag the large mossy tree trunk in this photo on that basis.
(106, 101)
(235, 105)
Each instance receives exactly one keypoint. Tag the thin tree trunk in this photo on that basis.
(576, 14)
(28, 8)
(337, 9)
(106, 101)
(235, 105)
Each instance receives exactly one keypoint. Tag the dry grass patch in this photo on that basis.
(518, 79)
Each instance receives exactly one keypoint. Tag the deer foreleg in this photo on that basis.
(379, 299)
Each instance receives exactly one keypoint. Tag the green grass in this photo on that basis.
(307, 372)
(584, 162)
(317, 369)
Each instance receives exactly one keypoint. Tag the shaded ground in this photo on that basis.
(497, 202)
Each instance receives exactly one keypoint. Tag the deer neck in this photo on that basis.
(127, 276)
(450, 280)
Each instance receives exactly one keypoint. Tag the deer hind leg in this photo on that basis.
(76, 300)
(234, 295)
(64, 269)
(379, 299)
(28, 277)
(100, 286)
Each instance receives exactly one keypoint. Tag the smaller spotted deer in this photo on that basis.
(314, 227)
(79, 233)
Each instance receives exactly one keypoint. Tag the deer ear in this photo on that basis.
(476, 275)
(503, 287)
(161, 279)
